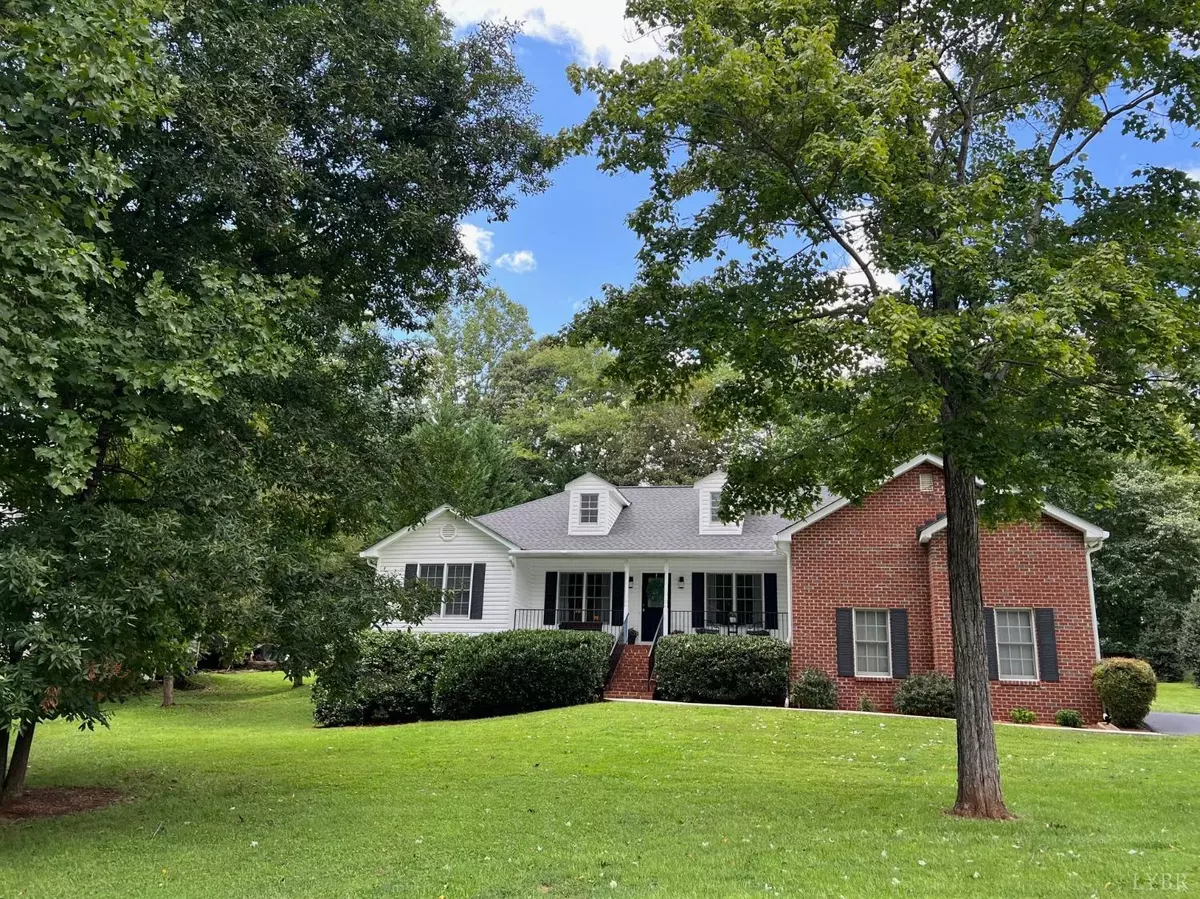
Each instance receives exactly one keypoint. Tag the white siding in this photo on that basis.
(424, 545)
(602, 523)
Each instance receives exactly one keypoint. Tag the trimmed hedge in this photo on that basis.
(1068, 718)
(521, 671)
(1127, 687)
(814, 689)
(737, 670)
(926, 694)
(393, 683)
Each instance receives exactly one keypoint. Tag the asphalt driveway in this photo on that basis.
(1175, 723)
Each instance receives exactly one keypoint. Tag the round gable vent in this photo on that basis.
(449, 531)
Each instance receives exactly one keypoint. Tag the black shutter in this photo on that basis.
(1047, 644)
(477, 590)
(410, 574)
(989, 633)
(845, 642)
(770, 601)
(618, 598)
(697, 599)
(899, 643)
(551, 597)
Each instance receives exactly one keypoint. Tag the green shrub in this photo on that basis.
(814, 689)
(926, 694)
(1189, 639)
(521, 671)
(1127, 687)
(1022, 716)
(1068, 718)
(865, 704)
(392, 683)
(706, 668)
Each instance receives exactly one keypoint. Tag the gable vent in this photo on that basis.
(449, 532)
(926, 481)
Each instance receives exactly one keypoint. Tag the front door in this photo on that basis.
(654, 592)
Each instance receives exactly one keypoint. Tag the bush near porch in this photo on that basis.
(710, 668)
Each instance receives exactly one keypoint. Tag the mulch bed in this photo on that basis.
(51, 802)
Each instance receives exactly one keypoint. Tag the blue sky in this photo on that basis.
(558, 249)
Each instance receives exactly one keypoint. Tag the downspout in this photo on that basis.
(1092, 595)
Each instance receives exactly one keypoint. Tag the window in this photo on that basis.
(589, 508)
(454, 581)
(584, 596)
(733, 599)
(714, 507)
(458, 590)
(1015, 650)
(872, 646)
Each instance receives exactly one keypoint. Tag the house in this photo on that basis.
(858, 590)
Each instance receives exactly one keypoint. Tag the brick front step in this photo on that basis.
(631, 679)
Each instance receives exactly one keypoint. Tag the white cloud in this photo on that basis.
(1194, 174)
(475, 240)
(595, 30)
(519, 262)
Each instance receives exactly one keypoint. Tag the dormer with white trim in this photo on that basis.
(709, 491)
(594, 506)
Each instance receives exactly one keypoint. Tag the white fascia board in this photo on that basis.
(372, 552)
(1092, 534)
(644, 552)
(588, 479)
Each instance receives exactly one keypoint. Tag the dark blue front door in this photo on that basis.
(654, 592)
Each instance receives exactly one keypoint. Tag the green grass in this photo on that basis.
(234, 793)
(1181, 697)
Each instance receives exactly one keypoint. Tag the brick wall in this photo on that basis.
(868, 556)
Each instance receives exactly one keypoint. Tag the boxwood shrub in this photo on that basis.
(929, 694)
(1068, 718)
(706, 668)
(521, 671)
(392, 684)
(1127, 687)
(814, 689)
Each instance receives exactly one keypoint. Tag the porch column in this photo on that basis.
(666, 624)
(628, 604)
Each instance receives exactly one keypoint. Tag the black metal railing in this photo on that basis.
(745, 624)
(658, 635)
(620, 639)
(566, 619)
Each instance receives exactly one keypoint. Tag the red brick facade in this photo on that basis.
(869, 556)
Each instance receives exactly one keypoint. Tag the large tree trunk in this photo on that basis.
(168, 690)
(297, 681)
(4, 751)
(14, 779)
(979, 793)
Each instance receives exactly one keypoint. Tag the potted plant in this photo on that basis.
(633, 635)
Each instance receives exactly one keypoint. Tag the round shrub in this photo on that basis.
(865, 704)
(521, 671)
(814, 689)
(737, 670)
(1022, 716)
(392, 682)
(1127, 687)
(1068, 718)
(926, 694)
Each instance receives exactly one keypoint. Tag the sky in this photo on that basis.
(558, 249)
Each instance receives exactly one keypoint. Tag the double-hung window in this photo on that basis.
(718, 599)
(733, 599)
(714, 507)
(1016, 652)
(584, 596)
(589, 508)
(872, 643)
(453, 582)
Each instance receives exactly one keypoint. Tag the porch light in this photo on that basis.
(631, 580)
(681, 582)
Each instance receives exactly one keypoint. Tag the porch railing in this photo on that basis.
(658, 635)
(619, 642)
(569, 619)
(752, 624)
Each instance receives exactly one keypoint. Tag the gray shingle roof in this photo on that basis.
(657, 519)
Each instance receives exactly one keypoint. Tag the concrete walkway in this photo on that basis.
(1177, 724)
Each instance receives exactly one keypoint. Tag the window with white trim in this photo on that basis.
(1016, 650)
(733, 599)
(589, 508)
(872, 643)
(453, 582)
(714, 507)
(584, 596)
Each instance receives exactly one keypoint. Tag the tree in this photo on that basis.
(468, 340)
(1189, 639)
(206, 263)
(566, 418)
(1036, 320)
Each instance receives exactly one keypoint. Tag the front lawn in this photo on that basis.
(234, 793)
(1181, 697)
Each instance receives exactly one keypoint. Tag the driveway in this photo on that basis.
(1175, 723)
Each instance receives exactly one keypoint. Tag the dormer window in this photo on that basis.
(589, 508)
(714, 507)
